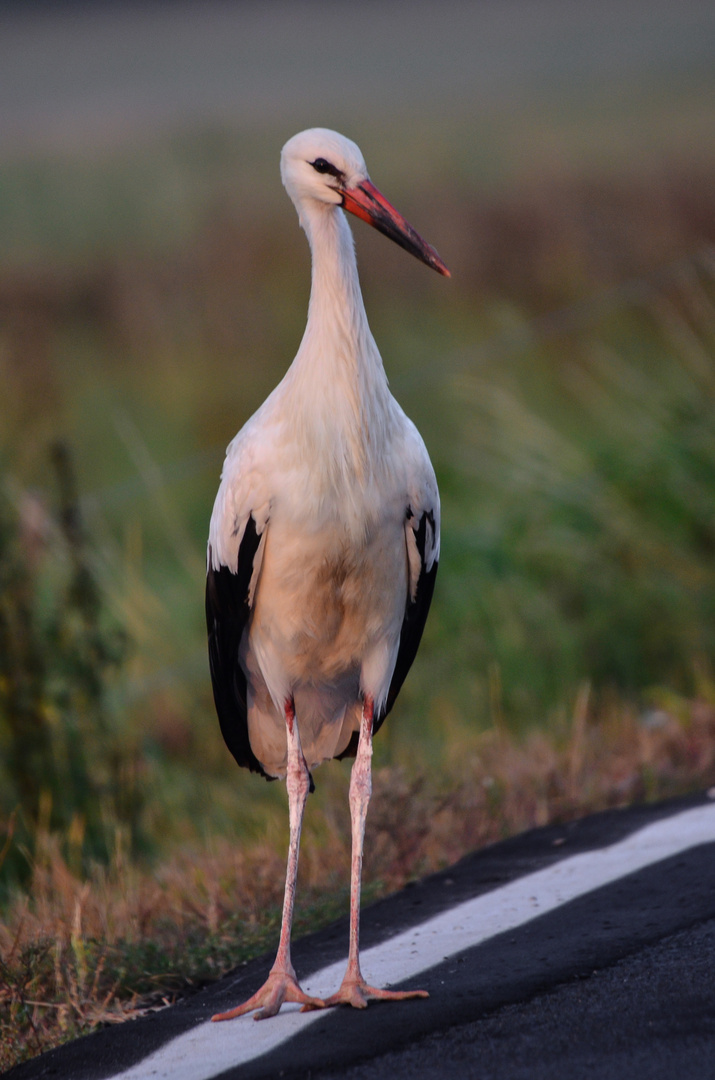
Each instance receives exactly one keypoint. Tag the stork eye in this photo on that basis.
(322, 166)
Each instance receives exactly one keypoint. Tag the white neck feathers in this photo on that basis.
(337, 383)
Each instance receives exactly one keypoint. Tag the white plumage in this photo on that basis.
(324, 538)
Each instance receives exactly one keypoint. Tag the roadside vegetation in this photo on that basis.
(564, 381)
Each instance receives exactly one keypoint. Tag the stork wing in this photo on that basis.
(418, 604)
(228, 596)
(425, 541)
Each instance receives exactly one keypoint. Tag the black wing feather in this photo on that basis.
(413, 624)
(227, 613)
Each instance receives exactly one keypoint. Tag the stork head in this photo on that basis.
(325, 167)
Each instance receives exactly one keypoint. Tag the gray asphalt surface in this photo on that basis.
(651, 1014)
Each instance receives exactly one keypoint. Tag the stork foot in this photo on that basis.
(280, 986)
(357, 993)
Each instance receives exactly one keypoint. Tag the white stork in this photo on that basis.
(323, 544)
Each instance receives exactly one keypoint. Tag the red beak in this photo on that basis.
(366, 202)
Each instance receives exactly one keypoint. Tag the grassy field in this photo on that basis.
(564, 381)
(565, 387)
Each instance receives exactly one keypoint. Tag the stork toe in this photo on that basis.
(280, 986)
(358, 993)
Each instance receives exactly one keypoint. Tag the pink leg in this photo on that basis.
(281, 984)
(354, 990)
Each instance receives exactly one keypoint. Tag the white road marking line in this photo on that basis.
(209, 1049)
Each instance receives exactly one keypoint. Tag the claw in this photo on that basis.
(278, 987)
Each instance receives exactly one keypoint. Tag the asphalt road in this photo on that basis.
(573, 951)
(651, 1014)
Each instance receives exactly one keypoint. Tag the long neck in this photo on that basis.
(342, 398)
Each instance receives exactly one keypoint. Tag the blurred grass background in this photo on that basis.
(153, 289)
